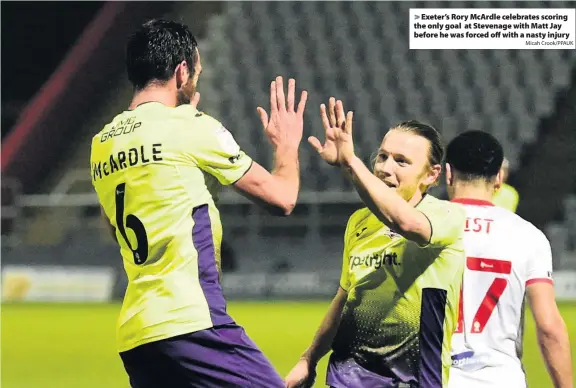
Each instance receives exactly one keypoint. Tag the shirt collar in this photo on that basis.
(472, 201)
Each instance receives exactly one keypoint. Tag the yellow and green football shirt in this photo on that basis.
(506, 197)
(156, 171)
(402, 302)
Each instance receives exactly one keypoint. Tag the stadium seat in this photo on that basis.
(358, 51)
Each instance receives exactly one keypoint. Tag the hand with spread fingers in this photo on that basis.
(284, 126)
(338, 147)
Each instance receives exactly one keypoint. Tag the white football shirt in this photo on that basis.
(504, 254)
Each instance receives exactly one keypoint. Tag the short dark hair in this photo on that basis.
(154, 51)
(436, 154)
(475, 155)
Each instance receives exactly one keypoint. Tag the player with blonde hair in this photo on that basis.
(393, 316)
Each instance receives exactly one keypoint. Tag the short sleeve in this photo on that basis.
(345, 275)
(539, 268)
(217, 152)
(447, 222)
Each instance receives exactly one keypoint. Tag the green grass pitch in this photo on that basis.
(65, 346)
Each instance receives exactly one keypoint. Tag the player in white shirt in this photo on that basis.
(508, 258)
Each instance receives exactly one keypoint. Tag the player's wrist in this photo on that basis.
(349, 166)
(307, 357)
(286, 152)
(351, 162)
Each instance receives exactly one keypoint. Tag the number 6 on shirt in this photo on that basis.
(492, 296)
(134, 223)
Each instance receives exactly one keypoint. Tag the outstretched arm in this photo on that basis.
(383, 201)
(390, 208)
(278, 191)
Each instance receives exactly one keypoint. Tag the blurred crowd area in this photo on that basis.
(357, 51)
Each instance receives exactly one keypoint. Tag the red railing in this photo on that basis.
(48, 125)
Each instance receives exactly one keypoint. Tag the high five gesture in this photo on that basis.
(285, 125)
(338, 147)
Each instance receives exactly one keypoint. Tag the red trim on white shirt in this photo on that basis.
(472, 201)
(539, 280)
(488, 265)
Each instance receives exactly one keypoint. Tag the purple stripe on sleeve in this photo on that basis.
(431, 337)
(207, 270)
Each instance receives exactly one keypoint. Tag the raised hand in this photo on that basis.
(338, 147)
(285, 126)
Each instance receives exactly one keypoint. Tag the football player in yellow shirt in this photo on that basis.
(506, 196)
(392, 319)
(156, 168)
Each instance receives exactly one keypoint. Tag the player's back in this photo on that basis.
(155, 170)
(504, 254)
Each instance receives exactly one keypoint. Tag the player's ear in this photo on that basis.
(499, 179)
(433, 175)
(449, 177)
(182, 73)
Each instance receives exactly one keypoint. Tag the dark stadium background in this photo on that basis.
(45, 31)
(278, 273)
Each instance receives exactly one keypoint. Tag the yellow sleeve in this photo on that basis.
(216, 151)
(345, 275)
(507, 197)
(447, 221)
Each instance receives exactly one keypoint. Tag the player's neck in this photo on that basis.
(161, 94)
(416, 198)
(473, 192)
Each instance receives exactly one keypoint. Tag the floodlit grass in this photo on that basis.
(71, 346)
